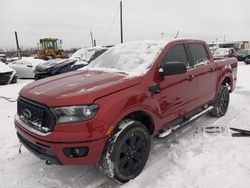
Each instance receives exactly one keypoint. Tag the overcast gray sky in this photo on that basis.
(71, 20)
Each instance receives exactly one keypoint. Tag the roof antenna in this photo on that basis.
(177, 34)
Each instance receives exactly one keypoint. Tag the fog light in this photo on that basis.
(76, 152)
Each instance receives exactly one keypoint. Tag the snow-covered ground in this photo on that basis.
(188, 159)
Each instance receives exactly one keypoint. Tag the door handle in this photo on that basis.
(190, 78)
(29, 66)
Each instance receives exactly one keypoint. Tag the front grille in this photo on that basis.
(35, 115)
(5, 77)
(39, 76)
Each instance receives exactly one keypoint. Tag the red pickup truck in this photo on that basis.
(106, 113)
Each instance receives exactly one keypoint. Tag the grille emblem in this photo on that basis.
(26, 113)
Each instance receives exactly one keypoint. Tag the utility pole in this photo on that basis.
(92, 40)
(162, 36)
(121, 21)
(177, 34)
(17, 46)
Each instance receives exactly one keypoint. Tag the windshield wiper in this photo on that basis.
(122, 73)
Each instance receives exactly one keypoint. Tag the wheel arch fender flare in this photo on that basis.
(139, 109)
(227, 77)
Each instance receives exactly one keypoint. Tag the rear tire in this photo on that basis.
(126, 151)
(221, 103)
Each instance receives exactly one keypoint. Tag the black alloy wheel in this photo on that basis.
(222, 102)
(131, 153)
(126, 152)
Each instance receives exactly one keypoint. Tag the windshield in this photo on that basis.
(221, 51)
(83, 54)
(133, 58)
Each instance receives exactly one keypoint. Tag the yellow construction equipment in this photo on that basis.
(50, 48)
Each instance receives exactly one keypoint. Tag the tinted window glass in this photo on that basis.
(199, 54)
(64, 69)
(176, 54)
(97, 54)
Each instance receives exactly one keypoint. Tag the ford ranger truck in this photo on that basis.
(106, 113)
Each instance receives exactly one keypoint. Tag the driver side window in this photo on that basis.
(177, 53)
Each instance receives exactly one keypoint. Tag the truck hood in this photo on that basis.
(79, 87)
(5, 68)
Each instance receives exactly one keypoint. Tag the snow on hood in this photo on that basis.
(82, 86)
(5, 68)
(132, 58)
(31, 60)
(54, 62)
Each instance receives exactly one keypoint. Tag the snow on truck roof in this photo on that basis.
(132, 58)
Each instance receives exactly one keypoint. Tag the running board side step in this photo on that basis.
(183, 124)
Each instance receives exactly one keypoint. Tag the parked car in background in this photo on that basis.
(224, 52)
(3, 58)
(242, 54)
(25, 67)
(7, 74)
(78, 60)
(247, 60)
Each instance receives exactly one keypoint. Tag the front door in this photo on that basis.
(178, 92)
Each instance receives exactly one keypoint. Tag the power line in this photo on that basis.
(80, 42)
(112, 23)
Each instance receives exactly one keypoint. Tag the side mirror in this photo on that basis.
(172, 68)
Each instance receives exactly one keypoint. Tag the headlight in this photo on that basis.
(75, 113)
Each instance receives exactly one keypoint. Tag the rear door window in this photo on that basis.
(177, 53)
(199, 54)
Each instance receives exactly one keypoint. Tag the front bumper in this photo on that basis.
(39, 75)
(53, 151)
(38, 151)
(247, 61)
(6, 78)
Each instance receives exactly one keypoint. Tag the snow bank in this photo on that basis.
(202, 161)
(133, 58)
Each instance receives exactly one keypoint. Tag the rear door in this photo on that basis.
(204, 70)
(178, 92)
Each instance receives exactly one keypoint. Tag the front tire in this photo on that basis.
(127, 151)
(221, 103)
